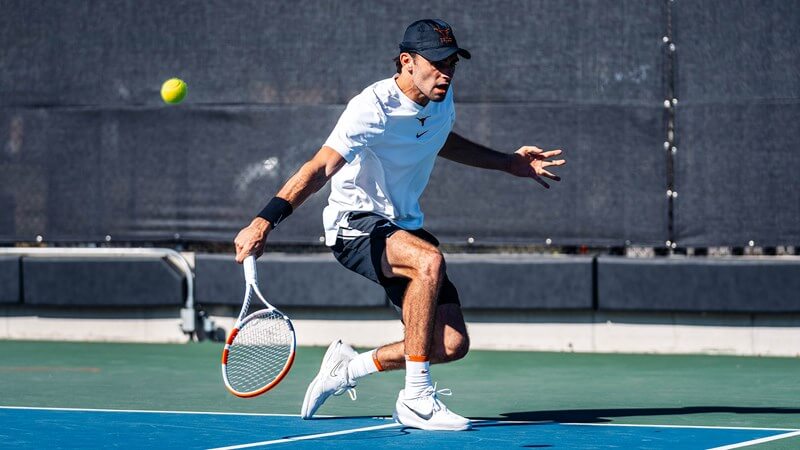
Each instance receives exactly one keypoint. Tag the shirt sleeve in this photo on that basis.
(361, 124)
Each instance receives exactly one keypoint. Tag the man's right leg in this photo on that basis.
(450, 340)
(411, 257)
(419, 261)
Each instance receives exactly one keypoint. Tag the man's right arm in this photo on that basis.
(311, 177)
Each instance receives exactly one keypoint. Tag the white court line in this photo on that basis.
(41, 408)
(757, 441)
(791, 432)
(153, 411)
(310, 436)
(678, 426)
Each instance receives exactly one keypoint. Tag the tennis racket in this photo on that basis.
(260, 349)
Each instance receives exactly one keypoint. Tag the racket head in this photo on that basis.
(258, 353)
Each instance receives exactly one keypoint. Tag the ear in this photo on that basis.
(407, 61)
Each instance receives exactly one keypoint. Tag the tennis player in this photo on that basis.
(379, 158)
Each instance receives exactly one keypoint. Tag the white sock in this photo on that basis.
(418, 377)
(362, 365)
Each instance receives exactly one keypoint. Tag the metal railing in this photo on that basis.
(188, 313)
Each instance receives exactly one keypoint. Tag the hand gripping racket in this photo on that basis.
(260, 349)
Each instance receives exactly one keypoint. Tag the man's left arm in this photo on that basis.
(528, 161)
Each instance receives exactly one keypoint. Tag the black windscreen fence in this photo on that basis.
(738, 123)
(89, 150)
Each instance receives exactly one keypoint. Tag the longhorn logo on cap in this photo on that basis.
(445, 35)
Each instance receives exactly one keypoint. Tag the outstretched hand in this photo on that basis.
(532, 162)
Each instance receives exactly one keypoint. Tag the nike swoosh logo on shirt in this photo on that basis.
(419, 135)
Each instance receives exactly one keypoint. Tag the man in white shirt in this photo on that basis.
(379, 158)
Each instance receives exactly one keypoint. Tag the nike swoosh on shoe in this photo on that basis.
(417, 413)
(336, 368)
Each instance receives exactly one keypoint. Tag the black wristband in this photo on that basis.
(276, 210)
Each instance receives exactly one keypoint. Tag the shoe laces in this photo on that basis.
(351, 391)
(350, 387)
(433, 393)
(446, 391)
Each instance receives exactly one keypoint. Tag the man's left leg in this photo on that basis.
(418, 405)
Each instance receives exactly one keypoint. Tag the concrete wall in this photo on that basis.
(606, 304)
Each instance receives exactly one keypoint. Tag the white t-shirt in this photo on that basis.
(390, 144)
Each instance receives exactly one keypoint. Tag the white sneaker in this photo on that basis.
(332, 378)
(427, 412)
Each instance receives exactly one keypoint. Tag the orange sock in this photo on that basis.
(375, 360)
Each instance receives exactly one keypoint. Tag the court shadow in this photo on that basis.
(605, 415)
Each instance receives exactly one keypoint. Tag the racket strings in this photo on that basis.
(259, 352)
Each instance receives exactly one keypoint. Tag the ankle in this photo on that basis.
(418, 376)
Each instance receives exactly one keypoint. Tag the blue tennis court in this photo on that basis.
(77, 428)
(93, 395)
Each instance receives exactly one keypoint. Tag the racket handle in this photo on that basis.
(250, 275)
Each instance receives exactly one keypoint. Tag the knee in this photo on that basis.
(431, 265)
(456, 346)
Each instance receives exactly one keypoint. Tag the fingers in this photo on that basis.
(242, 250)
(248, 242)
(241, 254)
(542, 182)
(550, 175)
(529, 150)
(537, 153)
(539, 180)
(549, 154)
(539, 160)
(558, 162)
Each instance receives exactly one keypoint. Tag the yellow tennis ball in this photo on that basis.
(173, 91)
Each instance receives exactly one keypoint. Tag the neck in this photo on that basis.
(407, 87)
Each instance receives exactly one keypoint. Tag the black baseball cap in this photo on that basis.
(433, 39)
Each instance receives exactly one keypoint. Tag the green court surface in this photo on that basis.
(522, 386)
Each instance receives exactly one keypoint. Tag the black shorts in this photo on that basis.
(360, 247)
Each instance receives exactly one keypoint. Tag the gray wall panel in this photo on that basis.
(10, 289)
(103, 282)
(699, 284)
(483, 281)
(285, 280)
(521, 281)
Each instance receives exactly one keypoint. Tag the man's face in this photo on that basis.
(433, 78)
